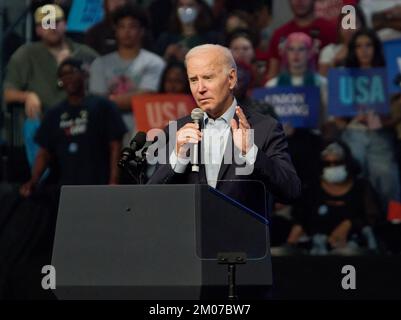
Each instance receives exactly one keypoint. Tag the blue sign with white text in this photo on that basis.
(392, 53)
(84, 14)
(354, 90)
(298, 106)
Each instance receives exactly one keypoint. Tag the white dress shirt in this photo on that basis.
(214, 141)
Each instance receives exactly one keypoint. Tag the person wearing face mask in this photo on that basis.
(340, 210)
(190, 25)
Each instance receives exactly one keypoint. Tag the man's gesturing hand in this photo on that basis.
(187, 134)
(241, 132)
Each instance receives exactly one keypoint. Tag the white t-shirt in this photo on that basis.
(110, 74)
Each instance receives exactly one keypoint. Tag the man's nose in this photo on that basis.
(201, 87)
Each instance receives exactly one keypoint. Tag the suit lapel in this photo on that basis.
(225, 166)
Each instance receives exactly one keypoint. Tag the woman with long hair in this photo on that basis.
(371, 136)
(334, 54)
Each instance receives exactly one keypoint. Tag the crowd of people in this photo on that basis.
(78, 95)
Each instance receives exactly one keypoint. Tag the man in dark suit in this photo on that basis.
(255, 144)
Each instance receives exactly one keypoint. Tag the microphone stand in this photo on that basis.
(135, 167)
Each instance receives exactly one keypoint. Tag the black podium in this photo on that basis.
(157, 242)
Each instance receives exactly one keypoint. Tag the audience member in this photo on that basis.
(237, 20)
(31, 76)
(82, 135)
(321, 31)
(190, 25)
(131, 69)
(297, 71)
(262, 17)
(243, 89)
(174, 79)
(298, 55)
(370, 136)
(242, 45)
(339, 211)
(334, 54)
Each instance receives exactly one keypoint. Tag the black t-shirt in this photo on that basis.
(79, 137)
(320, 212)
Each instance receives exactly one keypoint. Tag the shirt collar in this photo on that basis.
(226, 116)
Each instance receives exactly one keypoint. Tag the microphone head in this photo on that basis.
(138, 141)
(126, 155)
(197, 114)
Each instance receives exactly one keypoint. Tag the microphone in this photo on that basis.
(138, 141)
(197, 116)
(128, 153)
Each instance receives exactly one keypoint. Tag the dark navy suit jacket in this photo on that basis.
(273, 168)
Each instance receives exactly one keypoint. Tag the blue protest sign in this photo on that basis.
(298, 106)
(392, 53)
(84, 14)
(354, 90)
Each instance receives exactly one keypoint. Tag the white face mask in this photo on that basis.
(187, 15)
(336, 174)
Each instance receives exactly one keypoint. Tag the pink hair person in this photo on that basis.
(298, 37)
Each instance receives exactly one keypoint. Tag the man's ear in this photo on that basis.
(232, 78)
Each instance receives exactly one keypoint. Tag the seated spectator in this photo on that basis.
(82, 135)
(131, 69)
(190, 25)
(174, 79)
(334, 54)
(31, 77)
(303, 143)
(298, 54)
(242, 46)
(321, 31)
(256, 16)
(370, 136)
(101, 36)
(340, 210)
